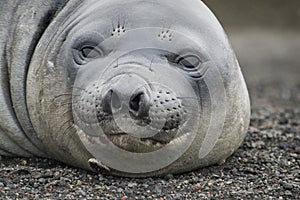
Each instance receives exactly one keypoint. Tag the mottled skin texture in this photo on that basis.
(38, 70)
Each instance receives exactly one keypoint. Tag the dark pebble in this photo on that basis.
(287, 186)
(158, 189)
(168, 177)
(283, 121)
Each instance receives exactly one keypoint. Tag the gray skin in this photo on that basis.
(67, 65)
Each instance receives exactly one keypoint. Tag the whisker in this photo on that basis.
(67, 96)
(73, 87)
(60, 95)
(71, 126)
(69, 111)
(195, 98)
(180, 134)
(68, 121)
(61, 106)
(150, 68)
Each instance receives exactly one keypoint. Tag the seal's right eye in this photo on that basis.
(90, 52)
(87, 48)
(86, 53)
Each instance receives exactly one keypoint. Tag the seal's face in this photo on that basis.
(133, 97)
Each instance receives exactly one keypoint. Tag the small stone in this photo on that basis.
(169, 177)
(222, 162)
(283, 121)
(270, 134)
(158, 189)
(29, 195)
(24, 162)
(267, 125)
(56, 174)
(79, 183)
(294, 155)
(120, 190)
(83, 193)
(258, 144)
(131, 184)
(288, 193)
(234, 170)
(287, 186)
(253, 129)
(197, 187)
(297, 175)
(42, 180)
(195, 180)
(250, 171)
(229, 182)
(100, 188)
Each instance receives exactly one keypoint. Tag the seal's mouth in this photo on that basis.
(140, 138)
(124, 137)
(126, 141)
(141, 145)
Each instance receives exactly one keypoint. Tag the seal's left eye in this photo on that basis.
(89, 52)
(189, 62)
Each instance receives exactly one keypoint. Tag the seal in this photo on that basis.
(136, 88)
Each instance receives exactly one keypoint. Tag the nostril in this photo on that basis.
(139, 104)
(136, 101)
(115, 101)
(111, 100)
(106, 102)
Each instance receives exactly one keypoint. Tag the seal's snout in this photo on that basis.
(138, 104)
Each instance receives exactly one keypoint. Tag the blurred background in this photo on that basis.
(266, 37)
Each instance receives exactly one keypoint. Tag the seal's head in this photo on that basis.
(148, 81)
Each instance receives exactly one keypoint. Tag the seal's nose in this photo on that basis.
(138, 104)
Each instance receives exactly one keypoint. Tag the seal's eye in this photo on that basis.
(90, 52)
(86, 47)
(192, 65)
(189, 62)
(86, 53)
